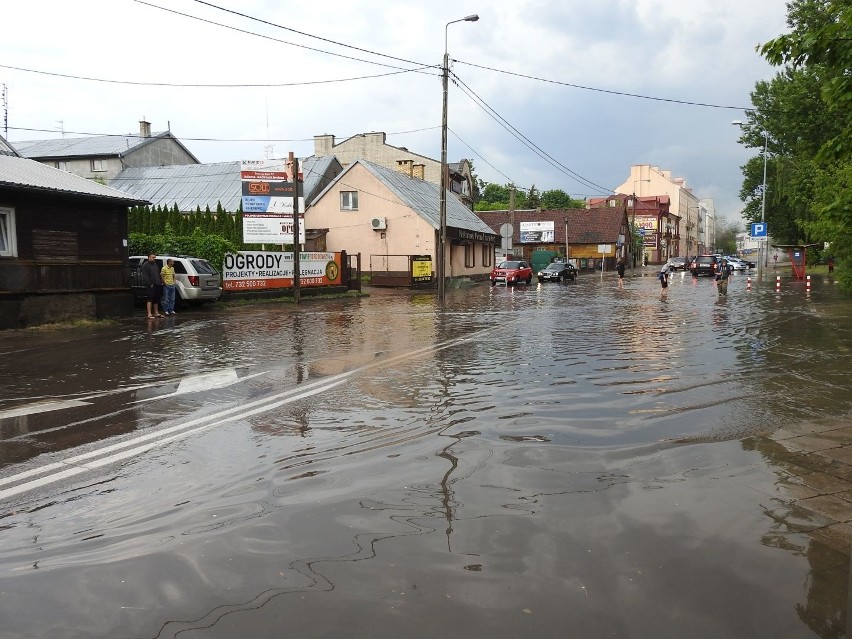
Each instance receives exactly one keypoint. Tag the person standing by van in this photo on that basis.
(167, 273)
(153, 283)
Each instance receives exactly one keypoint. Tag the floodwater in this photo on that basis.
(546, 461)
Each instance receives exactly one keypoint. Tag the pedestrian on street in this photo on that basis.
(723, 271)
(664, 278)
(831, 264)
(167, 273)
(619, 267)
(153, 285)
(775, 259)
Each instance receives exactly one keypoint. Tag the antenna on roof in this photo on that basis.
(5, 95)
(61, 127)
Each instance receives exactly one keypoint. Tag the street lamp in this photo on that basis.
(633, 226)
(760, 248)
(442, 232)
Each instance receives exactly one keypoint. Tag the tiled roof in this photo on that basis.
(585, 226)
(29, 175)
(424, 198)
(192, 186)
(92, 146)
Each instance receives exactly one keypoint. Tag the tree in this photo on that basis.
(559, 199)
(817, 174)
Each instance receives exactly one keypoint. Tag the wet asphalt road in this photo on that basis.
(547, 461)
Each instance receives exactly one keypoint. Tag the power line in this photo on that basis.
(266, 37)
(213, 86)
(302, 33)
(612, 92)
(525, 140)
(134, 135)
(510, 180)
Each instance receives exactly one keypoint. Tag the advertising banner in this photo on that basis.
(421, 268)
(262, 270)
(537, 232)
(267, 199)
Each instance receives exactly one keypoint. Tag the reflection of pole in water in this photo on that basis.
(446, 493)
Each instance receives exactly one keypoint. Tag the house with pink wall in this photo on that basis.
(388, 216)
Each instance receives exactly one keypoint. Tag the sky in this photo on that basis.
(542, 92)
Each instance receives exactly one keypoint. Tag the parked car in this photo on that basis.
(678, 263)
(512, 272)
(703, 265)
(557, 272)
(737, 264)
(747, 262)
(196, 281)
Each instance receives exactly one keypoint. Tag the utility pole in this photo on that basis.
(294, 166)
(512, 214)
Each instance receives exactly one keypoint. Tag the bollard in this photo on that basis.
(808, 284)
(777, 283)
(748, 283)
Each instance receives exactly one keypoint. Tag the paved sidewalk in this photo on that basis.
(814, 462)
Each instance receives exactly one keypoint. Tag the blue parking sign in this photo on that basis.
(758, 229)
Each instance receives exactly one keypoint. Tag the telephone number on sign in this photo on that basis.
(247, 284)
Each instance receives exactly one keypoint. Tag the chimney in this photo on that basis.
(323, 144)
(419, 171)
(405, 166)
(144, 129)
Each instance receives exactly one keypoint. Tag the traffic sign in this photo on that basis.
(758, 229)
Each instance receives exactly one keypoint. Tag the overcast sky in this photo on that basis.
(700, 51)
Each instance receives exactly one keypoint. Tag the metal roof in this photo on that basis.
(423, 198)
(99, 145)
(193, 186)
(6, 148)
(25, 174)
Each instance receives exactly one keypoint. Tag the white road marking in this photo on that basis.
(113, 453)
(41, 407)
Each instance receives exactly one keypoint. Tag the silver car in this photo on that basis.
(196, 281)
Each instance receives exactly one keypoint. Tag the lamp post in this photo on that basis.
(442, 231)
(633, 226)
(761, 252)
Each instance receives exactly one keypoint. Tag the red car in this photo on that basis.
(511, 272)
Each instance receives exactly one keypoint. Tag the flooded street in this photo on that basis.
(546, 461)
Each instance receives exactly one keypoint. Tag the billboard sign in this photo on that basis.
(262, 270)
(267, 198)
(537, 232)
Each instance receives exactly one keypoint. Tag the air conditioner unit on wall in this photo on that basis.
(379, 223)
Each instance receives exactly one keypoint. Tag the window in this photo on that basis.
(62, 165)
(349, 200)
(469, 256)
(8, 239)
(487, 253)
(98, 165)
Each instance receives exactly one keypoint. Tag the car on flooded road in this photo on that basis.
(511, 272)
(678, 264)
(704, 265)
(557, 272)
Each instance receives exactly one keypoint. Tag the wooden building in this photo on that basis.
(63, 246)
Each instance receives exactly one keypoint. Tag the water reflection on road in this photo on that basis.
(527, 460)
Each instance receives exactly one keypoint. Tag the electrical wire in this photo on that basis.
(472, 150)
(134, 135)
(266, 37)
(610, 91)
(525, 140)
(302, 33)
(215, 86)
